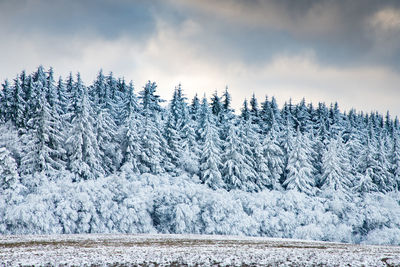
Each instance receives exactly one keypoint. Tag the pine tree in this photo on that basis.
(150, 101)
(232, 161)
(51, 90)
(130, 147)
(336, 120)
(190, 148)
(176, 129)
(275, 158)
(299, 168)
(287, 114)
(106, 132)
(210, 161)
(130, 103)
(254, 111)
(355, 148)
(6, 101)
(371, 162)
(235, 170)
(245, 111)
(248, 138)
(42, 150)
(264, 178)
(130, 140)
(322, 139)
(287, 142)
(226, 102)
(152, 156)
(82, 147)
(8, 170)
(396, 160)
(383, 159)
(18, 105)
(364, 183)
(265, 116)
(302, 117)
(195, 108)
(336, 168)
(110, 96)
(216, 105)
(63, 99)
(174, 141)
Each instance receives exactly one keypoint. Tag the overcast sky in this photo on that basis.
(345, 51)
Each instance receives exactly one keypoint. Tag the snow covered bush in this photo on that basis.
(131, 203)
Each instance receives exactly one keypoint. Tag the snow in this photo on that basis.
(78, 159)
(199, 250)
(139, 204)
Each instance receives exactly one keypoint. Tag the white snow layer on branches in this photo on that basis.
(131, 203)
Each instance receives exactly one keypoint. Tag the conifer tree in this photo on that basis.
(299, 168)
(245, 111)
(8, 170)
(233, 161)
(236, 172)
(6, 101)
(82, 147)
(275, 158)
(226, 102)
(18, 105)
(336, 168)
(130, 140)
(216, 105)
(248, 138)
(42, 150)
(396, 160)
(152, 156)
(371, 163)
(302, 117)
(195, 108)
(264, 178)
(210, 161)
(106, 134)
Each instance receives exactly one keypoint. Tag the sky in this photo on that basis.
(325, 51)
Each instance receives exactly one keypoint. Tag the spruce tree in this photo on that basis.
(41, 143)
(210, 161)
(130, 139)
(336, 168)
(299, 168)
(8, 170)
(274, 155)
(82, 147)
(236, 172)
(216, 105)
(152, 157)
(245, 111)
(18, 105)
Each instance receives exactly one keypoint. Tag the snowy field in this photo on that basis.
(187, 250)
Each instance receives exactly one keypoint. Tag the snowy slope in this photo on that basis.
(203, 250)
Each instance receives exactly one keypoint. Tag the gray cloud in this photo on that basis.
(346, 51)
(109, 19)
(340, 32)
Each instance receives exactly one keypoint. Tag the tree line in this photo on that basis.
(62, 129)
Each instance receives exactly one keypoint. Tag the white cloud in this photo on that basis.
(387, 19)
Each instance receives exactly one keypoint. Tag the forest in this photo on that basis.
(111, 158)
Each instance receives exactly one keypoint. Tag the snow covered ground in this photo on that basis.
(173, 250)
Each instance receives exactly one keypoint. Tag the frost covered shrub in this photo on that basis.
(384, 236)
(130, 203)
